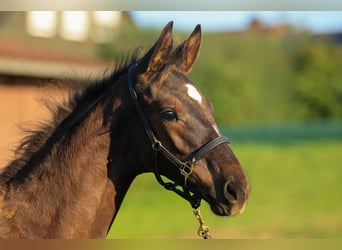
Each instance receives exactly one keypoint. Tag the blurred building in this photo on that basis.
(281, 30)
(37, 48)
(49, 43)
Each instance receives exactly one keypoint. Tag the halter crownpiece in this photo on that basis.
(185, 167)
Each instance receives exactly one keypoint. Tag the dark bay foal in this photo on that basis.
(71, 175)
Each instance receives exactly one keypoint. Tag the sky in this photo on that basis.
(317, 22)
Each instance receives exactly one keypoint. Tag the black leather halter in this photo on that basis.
(185, 167)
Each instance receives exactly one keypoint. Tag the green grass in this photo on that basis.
(296, 193)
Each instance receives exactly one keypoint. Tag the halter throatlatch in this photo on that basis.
(185, 167)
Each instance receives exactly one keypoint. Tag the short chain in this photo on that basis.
(203, 230)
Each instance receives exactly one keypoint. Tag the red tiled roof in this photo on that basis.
(14, 49)
(27, 60)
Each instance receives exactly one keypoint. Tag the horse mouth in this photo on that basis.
(221, 210)
(218, 208)
(224, 209)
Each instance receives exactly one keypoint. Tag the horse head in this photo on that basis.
(179, 120)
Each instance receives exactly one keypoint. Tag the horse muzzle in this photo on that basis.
(231, 200)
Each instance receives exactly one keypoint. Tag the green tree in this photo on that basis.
(318, 69)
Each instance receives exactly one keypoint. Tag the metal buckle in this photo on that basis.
(186, 169)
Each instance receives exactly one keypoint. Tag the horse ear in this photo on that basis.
(158, 55)
(185, 55)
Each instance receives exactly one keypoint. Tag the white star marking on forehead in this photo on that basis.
(193, 93)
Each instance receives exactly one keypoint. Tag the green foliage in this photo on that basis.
(256, 77)
(318, 68)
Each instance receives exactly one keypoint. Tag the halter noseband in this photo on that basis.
(185, 167)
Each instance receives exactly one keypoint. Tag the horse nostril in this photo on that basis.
(230, 192)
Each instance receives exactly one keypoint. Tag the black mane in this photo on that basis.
(80, 95)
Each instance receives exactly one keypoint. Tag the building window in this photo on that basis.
(74, 25)
(41, 23)
(99, 26)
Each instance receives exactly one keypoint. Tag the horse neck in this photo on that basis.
(74, 190)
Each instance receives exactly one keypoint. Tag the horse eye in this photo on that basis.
(169, 115)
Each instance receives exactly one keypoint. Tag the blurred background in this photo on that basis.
(274, 78)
